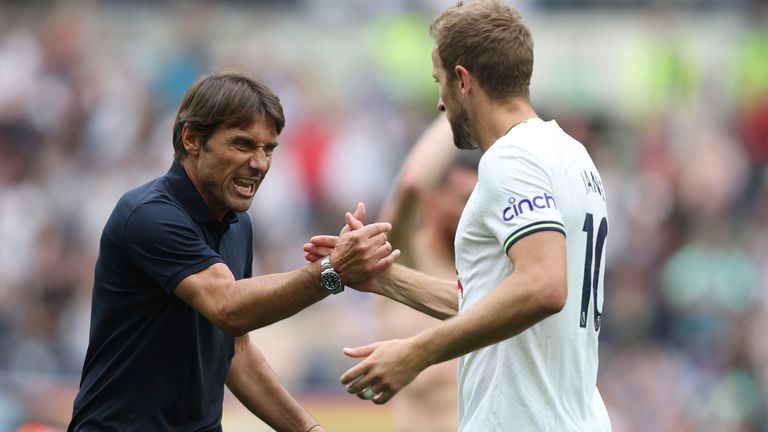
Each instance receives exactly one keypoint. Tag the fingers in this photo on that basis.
(367, 379)
(310, 257)
(365, 385)
(315, 251)
(319, 246)
(378, 241)
(353, 222)
(386, 262)
(376, 228)
(383, 250)
(359, 212)
(359, 215)
(365, 231)
(328, 241)
(354, 375)
(361, 351)
(382, 397)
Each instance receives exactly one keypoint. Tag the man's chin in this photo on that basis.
(464, 143)
(240, 205)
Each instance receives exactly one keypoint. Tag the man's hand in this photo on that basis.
(388, 367)
(360, 252)
(322, 245)
(364, 252)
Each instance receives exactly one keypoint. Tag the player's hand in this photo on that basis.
(322, 245)
(362, 252)
(388, 367)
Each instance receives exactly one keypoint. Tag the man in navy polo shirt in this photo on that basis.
(174, 297)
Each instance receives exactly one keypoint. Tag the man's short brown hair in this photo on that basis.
(227, 99)
(490, 40)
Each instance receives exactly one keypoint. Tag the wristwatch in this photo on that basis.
(329, 279)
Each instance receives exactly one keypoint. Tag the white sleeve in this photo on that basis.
(517, 195)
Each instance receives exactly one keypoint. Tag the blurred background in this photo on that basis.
(670, 97)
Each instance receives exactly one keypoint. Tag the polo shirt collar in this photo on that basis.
(191, 199)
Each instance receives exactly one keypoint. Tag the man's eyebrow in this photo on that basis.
(245, 139)
(241, 138)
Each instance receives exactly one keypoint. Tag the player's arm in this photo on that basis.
(433, 296)
(238, 306)
(257, 387)
(535, 290)
(427, 161)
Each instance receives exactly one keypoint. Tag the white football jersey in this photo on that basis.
(534, 178)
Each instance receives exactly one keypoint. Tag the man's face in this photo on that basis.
(229, 168)
(449, 103)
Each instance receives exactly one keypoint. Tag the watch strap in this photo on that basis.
(325, 263)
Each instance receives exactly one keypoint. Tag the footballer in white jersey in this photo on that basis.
(530, 250)
(532, 179)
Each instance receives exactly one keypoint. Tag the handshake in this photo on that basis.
(358, 254)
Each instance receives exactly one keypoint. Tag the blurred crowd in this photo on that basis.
(677, 125)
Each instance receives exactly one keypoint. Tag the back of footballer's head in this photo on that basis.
(490, 40)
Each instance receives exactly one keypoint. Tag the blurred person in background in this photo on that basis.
(424, 211)
(174, 297)
(529, 250)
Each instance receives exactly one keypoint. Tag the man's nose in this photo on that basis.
(259, 160)
(440, 105)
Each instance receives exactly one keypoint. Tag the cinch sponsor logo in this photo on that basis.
(516, 208)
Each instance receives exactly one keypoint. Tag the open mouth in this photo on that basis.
(245, 186)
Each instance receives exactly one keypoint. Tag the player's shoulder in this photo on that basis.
(146, 202)
(514, 155)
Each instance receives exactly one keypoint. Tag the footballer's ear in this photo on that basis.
(465, 80)
(190, 140)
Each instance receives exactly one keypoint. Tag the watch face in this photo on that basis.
(331, 281)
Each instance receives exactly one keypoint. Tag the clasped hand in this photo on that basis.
(359, 253)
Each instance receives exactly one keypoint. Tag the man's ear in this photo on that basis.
(465, 80)
(190, 141)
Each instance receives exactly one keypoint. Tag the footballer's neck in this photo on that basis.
(492, 119)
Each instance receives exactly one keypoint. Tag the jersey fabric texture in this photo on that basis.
(534, 178)
(153, 362)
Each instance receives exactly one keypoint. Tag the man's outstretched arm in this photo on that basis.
(433, 296)
(239, 306)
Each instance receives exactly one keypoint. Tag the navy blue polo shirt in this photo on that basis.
(153, 362)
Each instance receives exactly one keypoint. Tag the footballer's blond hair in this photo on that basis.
(491, 41)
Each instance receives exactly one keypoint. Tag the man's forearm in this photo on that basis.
(257, 387)
(425, 293)
(263, 300)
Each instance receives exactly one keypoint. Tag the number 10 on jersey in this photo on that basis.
(592, 272)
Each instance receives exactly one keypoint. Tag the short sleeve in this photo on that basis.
(517, 195)
(161, 240)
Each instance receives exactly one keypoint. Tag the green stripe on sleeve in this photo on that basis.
(530, 229)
